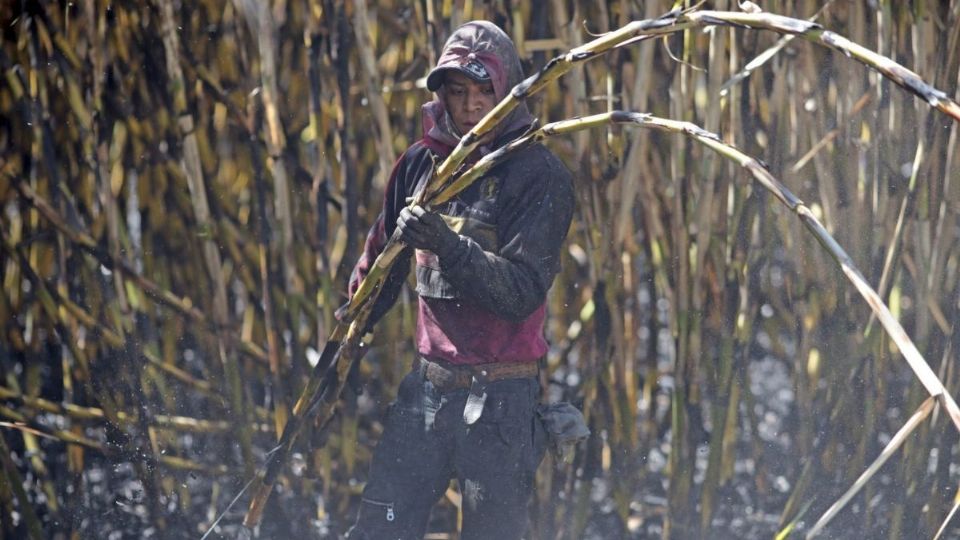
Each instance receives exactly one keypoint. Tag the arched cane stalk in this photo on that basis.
(323, 389)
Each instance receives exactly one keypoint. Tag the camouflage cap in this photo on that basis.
(473, 69)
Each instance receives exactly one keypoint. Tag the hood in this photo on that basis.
(483, 42)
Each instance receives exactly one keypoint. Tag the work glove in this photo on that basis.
(426, 230)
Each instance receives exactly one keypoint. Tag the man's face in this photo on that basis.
(467, 100)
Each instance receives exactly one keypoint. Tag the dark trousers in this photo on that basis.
(426, 442)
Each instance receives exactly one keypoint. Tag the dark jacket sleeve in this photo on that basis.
(377, 239)
(537, 206)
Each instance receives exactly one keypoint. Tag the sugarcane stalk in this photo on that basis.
(920, 367)
(89, 244)
(740, 316)
(675, 22)
(433, 40)
(275, 139)
(128, 448)
(324, 387)
(36, 453)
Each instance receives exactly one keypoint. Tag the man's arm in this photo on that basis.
(532, 226)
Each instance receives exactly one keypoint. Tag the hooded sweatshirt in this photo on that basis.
(485, 301)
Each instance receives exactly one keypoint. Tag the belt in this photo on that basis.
(447, 377)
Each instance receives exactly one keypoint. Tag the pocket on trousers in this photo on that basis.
(508, 410)
(377, 511)
(377, 519)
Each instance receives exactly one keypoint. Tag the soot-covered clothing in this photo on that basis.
(484, 301)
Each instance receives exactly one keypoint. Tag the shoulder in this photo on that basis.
(417, 158)
(550, 161)
(431, 146)
(537, 168)
(417, 151)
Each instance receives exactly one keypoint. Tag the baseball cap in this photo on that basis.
(471, 68)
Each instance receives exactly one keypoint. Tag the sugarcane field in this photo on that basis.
(480, 269)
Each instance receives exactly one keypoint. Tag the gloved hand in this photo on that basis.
(426, 230)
